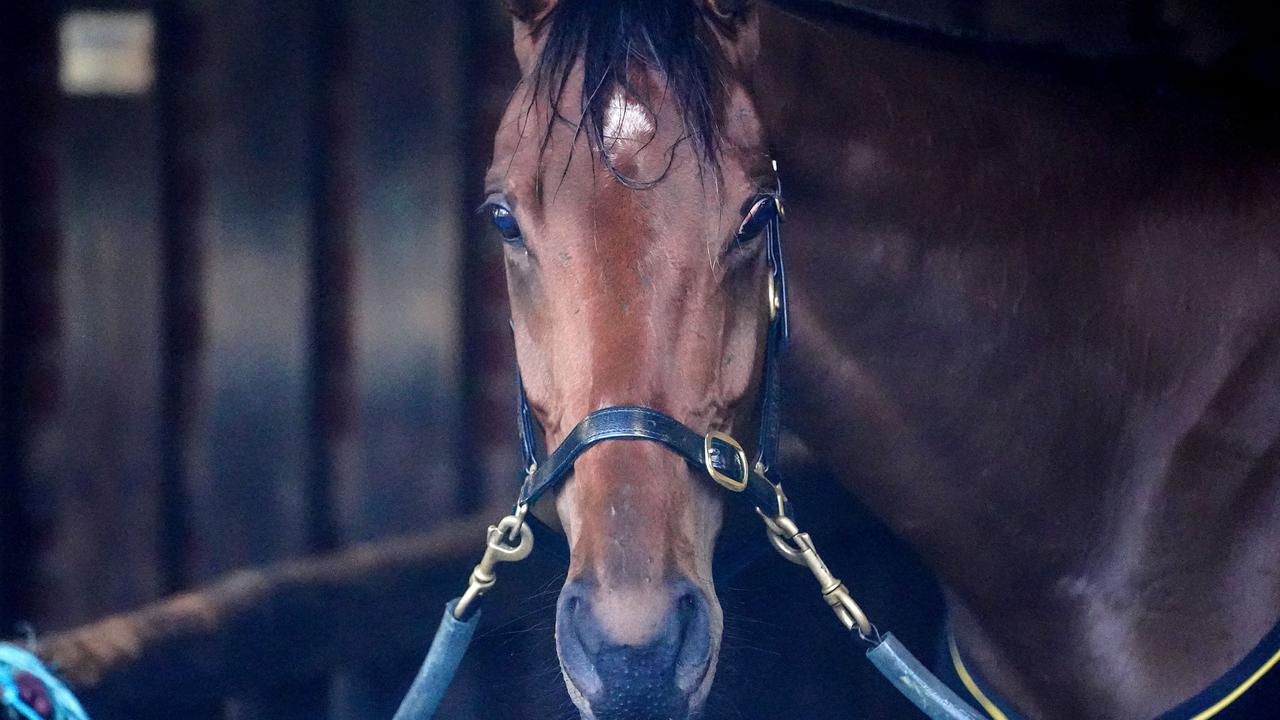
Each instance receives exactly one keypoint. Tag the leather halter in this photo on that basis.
(720, 457)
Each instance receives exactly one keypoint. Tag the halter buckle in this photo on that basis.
(709, 450)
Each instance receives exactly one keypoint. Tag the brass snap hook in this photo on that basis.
(511, 540)
(798, 547)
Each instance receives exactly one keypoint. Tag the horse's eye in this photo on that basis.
(506, 223)
(756, 218)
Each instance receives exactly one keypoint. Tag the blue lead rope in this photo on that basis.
(28, 691)
(916, 683)
(450, 644)
(889, 656)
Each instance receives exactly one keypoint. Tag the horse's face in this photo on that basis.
(632, 296)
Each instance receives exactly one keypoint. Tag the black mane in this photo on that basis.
(618, 41)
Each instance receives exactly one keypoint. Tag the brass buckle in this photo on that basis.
(732, 484)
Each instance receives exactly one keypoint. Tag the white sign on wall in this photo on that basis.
(107, 53)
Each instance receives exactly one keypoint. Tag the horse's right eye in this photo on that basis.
(505, 222)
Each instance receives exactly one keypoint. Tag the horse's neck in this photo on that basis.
(1053, 339)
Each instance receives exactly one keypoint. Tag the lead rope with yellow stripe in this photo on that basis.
(886, 653)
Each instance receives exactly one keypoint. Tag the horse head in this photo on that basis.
(623, 169)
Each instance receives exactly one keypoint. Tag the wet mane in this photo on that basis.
(619, 42)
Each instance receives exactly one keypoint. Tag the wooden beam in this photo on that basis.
(280, 625)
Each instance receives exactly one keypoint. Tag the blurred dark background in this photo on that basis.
(249, 316)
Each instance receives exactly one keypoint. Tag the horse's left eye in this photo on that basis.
(756, 218)
(505, 222)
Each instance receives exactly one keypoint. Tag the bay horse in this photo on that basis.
(1036, 329)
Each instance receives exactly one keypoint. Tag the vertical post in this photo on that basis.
(182, 126)
(30, 297)
(331, 394)
(331, 415)
(181, 48)
(488, 453)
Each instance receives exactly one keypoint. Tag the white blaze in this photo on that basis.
(625, 121)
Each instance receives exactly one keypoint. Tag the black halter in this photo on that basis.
(718, 455)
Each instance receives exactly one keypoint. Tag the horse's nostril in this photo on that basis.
(689, 607)
(578, 638)
(694, 644)
(584, 626)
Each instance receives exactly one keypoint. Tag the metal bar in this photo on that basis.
(331, 398)
(183, 151)
(182, 126)
(30, 297)
(332, 261)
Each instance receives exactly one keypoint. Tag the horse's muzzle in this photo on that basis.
(643, 678)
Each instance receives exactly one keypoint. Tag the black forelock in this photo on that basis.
(621, 41)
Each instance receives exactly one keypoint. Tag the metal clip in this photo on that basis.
(798, 547)
(508, 541)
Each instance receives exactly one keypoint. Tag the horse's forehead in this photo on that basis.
(628, 126)
(641, 132)
(640, 229)
(577, 201)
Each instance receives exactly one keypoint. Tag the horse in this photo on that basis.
(1035, 322)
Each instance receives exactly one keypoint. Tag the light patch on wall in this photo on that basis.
(107, 53)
